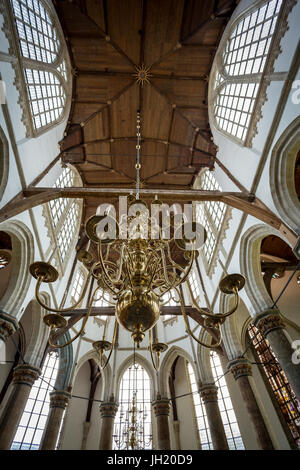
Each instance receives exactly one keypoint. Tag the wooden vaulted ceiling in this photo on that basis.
(108, 40)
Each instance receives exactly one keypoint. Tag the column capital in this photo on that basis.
(108, 409)
(8, 325)
(240, 367)
(59, 399)
(161, 406)
(26, 374)
(209, 393)
(268, 321)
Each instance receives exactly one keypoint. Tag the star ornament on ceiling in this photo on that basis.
(142, 75)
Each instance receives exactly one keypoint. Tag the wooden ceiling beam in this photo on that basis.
(244, 202)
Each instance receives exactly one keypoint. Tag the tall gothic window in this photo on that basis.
(135, 385)
(212, 215)
(284, 395)
(77, 285)
(62, 217)
(33, 421)
(202, 424)
(241, 70)
(43, 61)
(230, 423)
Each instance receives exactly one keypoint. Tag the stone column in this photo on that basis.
(8, 326)
(242, 370)
(24, 377)
(162, 410)
(108, 412)
(209, 395)
(271, 326)
(59, 400)
(176, 429)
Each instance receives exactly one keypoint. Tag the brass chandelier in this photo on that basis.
(137, 272)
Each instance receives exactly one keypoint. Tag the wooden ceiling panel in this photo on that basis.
(98, 54)
(162, 30)
(182, 131)
(99, 153)
(107, 39)
(106, 177)
(202, 143)
(98, 127)
(99, 89)
(170, 179)
(82, 110)
(187, 60)
(182, 92)
(196, 14)
(123, 113)
(156, 115)
(125, 33)
(196, 115)
(95, 10)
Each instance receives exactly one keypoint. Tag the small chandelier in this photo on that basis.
(132, 428)
(138, 271)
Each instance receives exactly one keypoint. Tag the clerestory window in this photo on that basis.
(43, 70)
(240, 74)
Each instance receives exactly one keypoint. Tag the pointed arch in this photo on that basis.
(139, 359)
(22, 257)
(166, 365)
(259, 299)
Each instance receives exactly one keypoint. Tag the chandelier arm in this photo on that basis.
(181, 280)
(59, 346)
(156, 367)
(200, 310)
(55, 310)
(175, 265)
(112, 345)
(215, 315)
(103, 265)
(186, 321)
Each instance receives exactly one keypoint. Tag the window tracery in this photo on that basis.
(30, 430)
(42, 65)
(231, 427)
(214, 216)
(243, 66)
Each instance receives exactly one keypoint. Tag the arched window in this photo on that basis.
(134, 387)
(289, 405)
(62, 219)
(232, 430)
(202, 424)
(77, 285)
(33, 421)
(242, 66)
(43, 71)
(213, 216)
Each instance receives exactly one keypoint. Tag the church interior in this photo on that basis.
(149, 225)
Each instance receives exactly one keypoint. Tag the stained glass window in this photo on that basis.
(33, 421)
(232, 431)
(244, 60)
(285, 397)
(135, 384)
(203, 428)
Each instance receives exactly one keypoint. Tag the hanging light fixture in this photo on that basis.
(138, 271)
